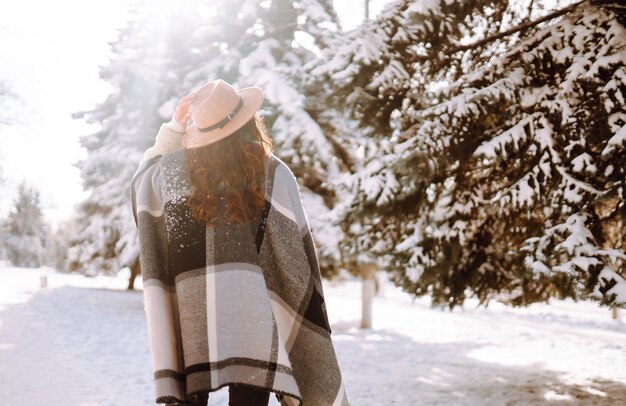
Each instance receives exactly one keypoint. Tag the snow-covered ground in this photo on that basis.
(83, 341)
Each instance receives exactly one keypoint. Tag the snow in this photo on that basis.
(425, 7)
(393, 72)
(584, 162)
(619, 289)
(533, 95)
(83, 341)
(578, 238)
(615, 141)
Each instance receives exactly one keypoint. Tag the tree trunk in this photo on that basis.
(135, 270)
(367, 294)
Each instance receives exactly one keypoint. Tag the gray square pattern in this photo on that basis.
(237, 303)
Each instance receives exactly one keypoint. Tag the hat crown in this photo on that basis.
(213, 102)
(219, 110)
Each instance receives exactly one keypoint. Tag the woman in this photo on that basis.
(232, 288)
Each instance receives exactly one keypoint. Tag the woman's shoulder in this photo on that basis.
(278, 166)
(174, 175)
(282, 180)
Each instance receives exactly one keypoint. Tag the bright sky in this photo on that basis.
(51, 53)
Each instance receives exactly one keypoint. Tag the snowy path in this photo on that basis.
(83, 342)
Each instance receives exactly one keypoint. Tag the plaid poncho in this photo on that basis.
(234, 304)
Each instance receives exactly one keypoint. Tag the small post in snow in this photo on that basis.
(367, 293)
(43, 279)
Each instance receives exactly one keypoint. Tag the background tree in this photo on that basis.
(25, 238)
(3, 232)
(144, 71)
(7, 117)
(160, 56)
(58, 240)
(493, 139)
(263, 47)
(12, 112)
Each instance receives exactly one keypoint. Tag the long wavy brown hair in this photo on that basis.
(232, 167)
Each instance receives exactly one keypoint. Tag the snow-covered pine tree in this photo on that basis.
(25, 238)
(498, 157)
(363, 75)
(261, 48)
(145, 71)
(3, 234)
(161, 57)
(57, 242)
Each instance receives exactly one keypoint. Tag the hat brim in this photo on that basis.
(252, 101)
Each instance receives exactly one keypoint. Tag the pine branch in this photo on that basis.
(513, 30)
(530, 9)
(490, 38)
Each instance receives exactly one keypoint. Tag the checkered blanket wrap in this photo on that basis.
(236, 304)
